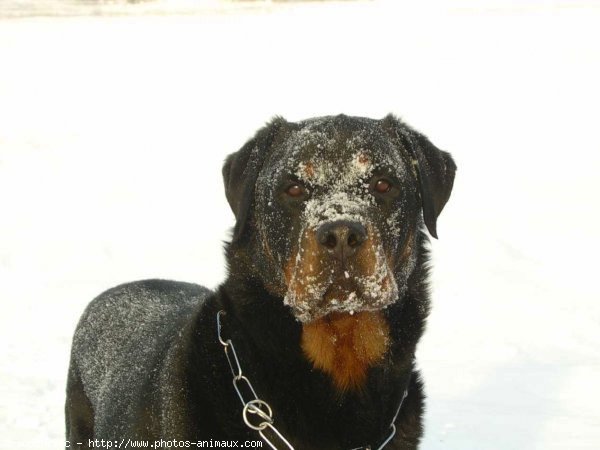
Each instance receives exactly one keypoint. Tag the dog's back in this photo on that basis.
(123, 348)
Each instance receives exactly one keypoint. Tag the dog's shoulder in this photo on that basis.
(126, 331)
(140, 304)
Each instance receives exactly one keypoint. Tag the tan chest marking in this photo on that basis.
(344, 346)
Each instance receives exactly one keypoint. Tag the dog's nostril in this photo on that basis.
(327, 237)
(330, 241)
(353, 240)
(356, 235)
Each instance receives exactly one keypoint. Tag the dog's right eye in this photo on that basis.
(295, 190)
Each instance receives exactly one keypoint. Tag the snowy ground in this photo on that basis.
(113, 129)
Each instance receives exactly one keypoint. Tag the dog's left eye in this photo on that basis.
(382, 186)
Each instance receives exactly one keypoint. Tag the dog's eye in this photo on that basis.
(295, 190)
(382, 186)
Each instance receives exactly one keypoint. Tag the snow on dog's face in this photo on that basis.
(337, 209)
(329, 211)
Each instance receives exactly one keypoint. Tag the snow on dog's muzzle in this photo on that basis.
(339, 264)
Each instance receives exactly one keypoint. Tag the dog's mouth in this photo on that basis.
(343, 293)
(342, 288)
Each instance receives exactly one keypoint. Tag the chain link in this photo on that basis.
(262, 409)
(255, 406)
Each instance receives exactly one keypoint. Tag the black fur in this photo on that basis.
(147, 364)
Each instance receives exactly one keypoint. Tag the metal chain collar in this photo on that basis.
(261, 409)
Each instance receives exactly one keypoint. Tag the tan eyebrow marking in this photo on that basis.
(307, 169)
(363, 159)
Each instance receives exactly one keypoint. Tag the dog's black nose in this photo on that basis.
(341, 238)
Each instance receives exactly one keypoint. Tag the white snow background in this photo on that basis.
(115, 120)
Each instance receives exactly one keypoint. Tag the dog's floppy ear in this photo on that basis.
(435, 170)
(241, 170)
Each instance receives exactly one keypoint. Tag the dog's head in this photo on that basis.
(328, 209)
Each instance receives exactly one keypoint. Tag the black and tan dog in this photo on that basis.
(325, 301)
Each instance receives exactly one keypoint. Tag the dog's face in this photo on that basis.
(329, 209)
(334, 200)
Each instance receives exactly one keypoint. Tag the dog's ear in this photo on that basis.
(240, 172)
(435, 169)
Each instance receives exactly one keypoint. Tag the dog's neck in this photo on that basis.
(343, 347)
(273, 348)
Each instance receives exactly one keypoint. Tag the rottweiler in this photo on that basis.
(310, 341)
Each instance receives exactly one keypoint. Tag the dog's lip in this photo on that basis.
(343, 285)
(345, 281)
(321, 313)
(347, 291)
